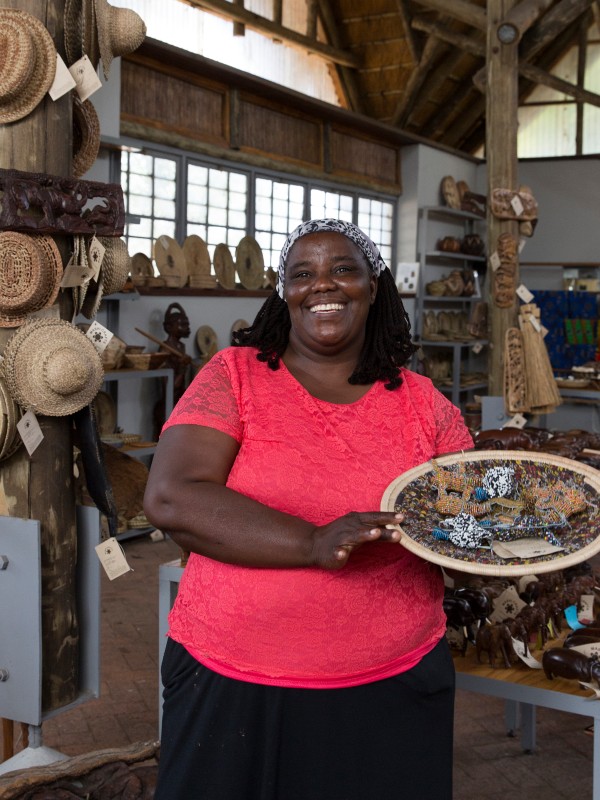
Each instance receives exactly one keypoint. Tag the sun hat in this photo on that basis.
(27, 63)
(10, 414)
(101, 31)
(52, 368)
(86, 136)
(120, 31)
(114, 271)
(30, 274)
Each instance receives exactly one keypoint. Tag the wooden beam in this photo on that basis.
(311, 19)
(265, 26)
(520, 18)
(239, 29)
(459, 9)
(502, 171)
(346, 78)
(528, 71)
(414, 48)
(552, 24)
(432, 51)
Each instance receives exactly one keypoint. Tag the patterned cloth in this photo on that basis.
(348, 229)
(310, 627)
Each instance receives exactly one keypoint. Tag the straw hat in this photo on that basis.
(51, 367)
(27, 63)
(30, 274)
(120, 31)
(112, 277)
(100, 31)
(249, 263)
(86, 136)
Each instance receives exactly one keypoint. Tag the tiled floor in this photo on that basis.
(488, 764)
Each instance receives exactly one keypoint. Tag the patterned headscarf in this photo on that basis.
(368, 248)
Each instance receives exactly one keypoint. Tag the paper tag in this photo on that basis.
(586, 612)
(96, 252)
(571, 617)
(112, 558)
(522, 243)
(495, 260)
(535, 323)
(530, 548)
(517, 205)
(99, 336)
(63, 80)
(589, 650)
(507, 605)
(30, 431)
(75, 275)
(86, 78)
(525, 580)
(525, 294)
(544, 331)
(524, 654)
(518, 421)
(594, 689)
(477, 348)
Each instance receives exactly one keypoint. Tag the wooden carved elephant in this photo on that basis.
(494, 640)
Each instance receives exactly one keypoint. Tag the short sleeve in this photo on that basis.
(452, 433)
(210, 400)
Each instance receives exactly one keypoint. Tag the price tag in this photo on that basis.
(30, 432)
(507, 605)
(535, 323)
(586, 612)
(524, 293)
(63, 80)
(99, 336)
(112, 558)
(477, 348)
(495, 260)
(517, 205)
(522, 243)
(86, 78)
(524, 654)
(518, 421)
(544, 331)
(96, 252)
(76, 275)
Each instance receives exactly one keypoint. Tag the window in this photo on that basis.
(217, 203)
(149, 186)
(174, 193)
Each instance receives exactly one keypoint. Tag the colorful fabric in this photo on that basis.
(310, 627)
(348, 229)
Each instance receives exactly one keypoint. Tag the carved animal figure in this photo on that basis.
(459, 613)
(480, 602)
(534, 618)
(518, 631)
(565, 663)
(495, 640)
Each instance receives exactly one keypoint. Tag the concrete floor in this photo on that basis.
(488, 764)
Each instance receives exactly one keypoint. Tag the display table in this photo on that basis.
(524, 688)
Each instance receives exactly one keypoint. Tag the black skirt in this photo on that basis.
(224, 739)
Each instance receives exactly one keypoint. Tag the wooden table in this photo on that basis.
(524, 689)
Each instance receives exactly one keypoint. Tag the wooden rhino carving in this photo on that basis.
(565, 663)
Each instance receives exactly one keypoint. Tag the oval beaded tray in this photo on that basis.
(415, 494)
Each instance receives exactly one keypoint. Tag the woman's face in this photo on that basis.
(329, 288)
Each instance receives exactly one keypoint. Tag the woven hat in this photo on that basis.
(81, 37)
(30, 274)
(10, 414)
(120, 31)
(112, 277)
(27, 63)
(52, 368)
(86, 136)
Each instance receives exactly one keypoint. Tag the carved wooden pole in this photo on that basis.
(41, 487)
(501, 156)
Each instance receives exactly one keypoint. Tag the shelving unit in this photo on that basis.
(435, 222)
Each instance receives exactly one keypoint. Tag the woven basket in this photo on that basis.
(144, 360)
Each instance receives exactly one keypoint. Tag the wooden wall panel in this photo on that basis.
(354, 156)
(167, 101)
(279, 134)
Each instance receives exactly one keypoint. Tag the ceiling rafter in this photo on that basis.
(252, 21)
(473, 15)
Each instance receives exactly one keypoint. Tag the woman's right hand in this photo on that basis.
(333, 543)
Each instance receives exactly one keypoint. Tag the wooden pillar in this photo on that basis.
(502, 167)
(42, 487)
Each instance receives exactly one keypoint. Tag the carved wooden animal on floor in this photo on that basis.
(495, 640)
(535, 620)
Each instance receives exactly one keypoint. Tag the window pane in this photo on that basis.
(164, 189)
(140, 164)
(139, 204)
(197, 175)
(163, 227)
(165, 168)
(164, 208)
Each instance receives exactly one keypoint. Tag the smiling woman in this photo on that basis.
(301, 623)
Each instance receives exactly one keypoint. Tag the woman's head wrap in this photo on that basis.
(348, 229)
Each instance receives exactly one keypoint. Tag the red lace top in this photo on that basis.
(311, 627)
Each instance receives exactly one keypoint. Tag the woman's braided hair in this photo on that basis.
(387, 347)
